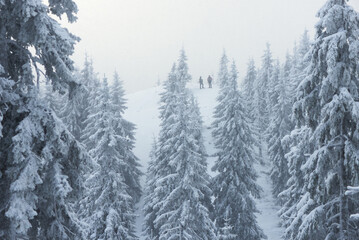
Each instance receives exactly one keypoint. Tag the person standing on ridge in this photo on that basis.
(209, 80)
(201, 85)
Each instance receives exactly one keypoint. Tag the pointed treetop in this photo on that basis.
(234, 75)
(223, 70)
(267, 56)
(182, 68)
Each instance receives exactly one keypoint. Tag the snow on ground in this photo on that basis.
(143, 111)
(267, 218)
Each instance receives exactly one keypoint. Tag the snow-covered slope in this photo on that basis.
(143, 111)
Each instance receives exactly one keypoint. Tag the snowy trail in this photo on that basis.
(267, 218)
(143, 111)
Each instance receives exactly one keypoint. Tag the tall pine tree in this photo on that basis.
(158, 166)
(235, 183)
(279, 127)
(43, 162)
(125, 129)
(110, 207)
(249, 89)
(327, 104)
(181, 190)
(262, 104)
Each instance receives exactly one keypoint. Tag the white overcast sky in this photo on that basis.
(142, 38)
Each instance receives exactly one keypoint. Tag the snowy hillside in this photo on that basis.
(143, 111)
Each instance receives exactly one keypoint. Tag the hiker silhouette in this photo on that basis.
(201, 85)
(209, 80)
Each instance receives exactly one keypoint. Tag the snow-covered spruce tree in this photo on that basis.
(300, 145)
(54, 100)
(262, 98)
(279, 127)
(184, 213)
(91, 99)
(7, 97)
(75, 111)
(248, 91)
(93, 115)
(65, 162)
(223, 78)
(71, 112)
(196, 120)
(300, 61)
(272, 98)
(223, 73)
(149, 229)
(263, 84)
(182, 69)
(110, 208)
(47, 181)
(180, 195)
(90, 84)
(296, 144)
(159, 167)
(327, 104)
(25, 24)
(125, 129)
(77, 107)
(42, 161)
(235, 184)
(273, 93)
(225, 233)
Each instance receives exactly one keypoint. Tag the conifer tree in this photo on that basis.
(297, 144)
(72, 112)
(40, 155)
(54, 99)
(223, 78)
(249, 93)
(182, 69)
(262, 98)
(235, 183)
(90, 83)
(249, 89)
(263, 84)
(77, 106)
(94, 99)
(273, 93)
(225, 233)
(158, 166)
(327, 104)
(125, 129)
(279, 127)
(149, 230)
(300, 145)
(300, 61)
(7, 97)
(90, 98)
(183, 213)
(180, 189)
(223, 73)
(110, 208)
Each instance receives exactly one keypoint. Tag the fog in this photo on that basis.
(142, 38)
